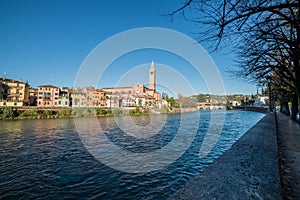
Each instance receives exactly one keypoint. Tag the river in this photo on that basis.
(65, 159)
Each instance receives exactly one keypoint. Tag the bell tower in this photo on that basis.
(152, 77)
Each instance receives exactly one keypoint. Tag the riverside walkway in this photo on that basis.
(289, 156)
(259, 165)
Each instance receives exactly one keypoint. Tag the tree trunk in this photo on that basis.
(296, 96)
(294, 107)
(284, 108)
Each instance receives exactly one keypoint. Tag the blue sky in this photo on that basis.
(45, 42)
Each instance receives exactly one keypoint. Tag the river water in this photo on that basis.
(48, 159)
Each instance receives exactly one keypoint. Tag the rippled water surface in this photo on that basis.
(48, 159)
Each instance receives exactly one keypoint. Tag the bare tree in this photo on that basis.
(265, 33)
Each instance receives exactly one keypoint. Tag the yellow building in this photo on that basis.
(78, 97)
(13, 92)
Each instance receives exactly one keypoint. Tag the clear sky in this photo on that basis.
(45, 42)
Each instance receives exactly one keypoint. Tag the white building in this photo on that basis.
(261, 101)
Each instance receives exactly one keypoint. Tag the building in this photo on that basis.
(48, 95)
(94, 97)
(152, 77)
(78, 97)
(119, 97)
(33, 94)
(64, 98)
(144, 100)
(13, 92)
(88, 97)
(99, 98)
(89, 94)
(138, 94)
(152, 84)
(261, 101)
(18, 93)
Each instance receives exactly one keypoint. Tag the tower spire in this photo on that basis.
(152, 65)
(152, 77)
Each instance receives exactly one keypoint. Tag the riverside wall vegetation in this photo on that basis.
(11, 113)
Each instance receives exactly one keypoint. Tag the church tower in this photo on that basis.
(152, 77)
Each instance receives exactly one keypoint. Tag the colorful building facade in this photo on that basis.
(18, 93)
(48, 96)
(13, 92)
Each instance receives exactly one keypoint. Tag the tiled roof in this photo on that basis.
(12, 81)
(48, 86)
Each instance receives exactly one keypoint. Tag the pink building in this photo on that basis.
(48, 95)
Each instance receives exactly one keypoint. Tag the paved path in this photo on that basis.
(248, 170)
(289, 156)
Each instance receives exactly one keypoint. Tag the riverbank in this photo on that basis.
(248, 170)
(15, 113)
(262, 109)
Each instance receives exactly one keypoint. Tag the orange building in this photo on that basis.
(99, 98)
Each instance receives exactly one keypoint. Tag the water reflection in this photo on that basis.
(132, 153)
(45, 159)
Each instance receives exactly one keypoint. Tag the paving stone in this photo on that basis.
(248, 170)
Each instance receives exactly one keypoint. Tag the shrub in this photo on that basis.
(32, 113)
(137, 109)
(48, 113)
(116, 112)
(63, 112)
(8, 113)
(99, 111)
